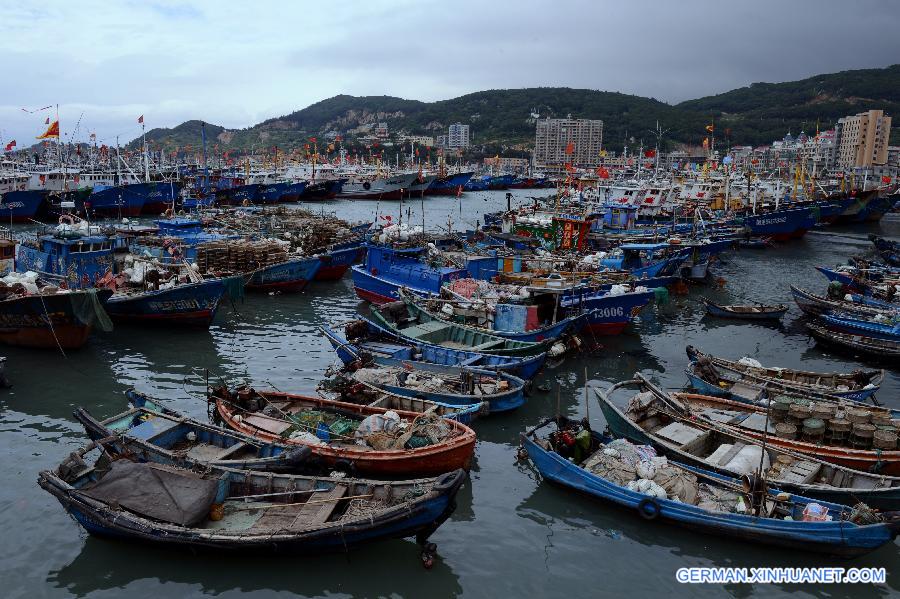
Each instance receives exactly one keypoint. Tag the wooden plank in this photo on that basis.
(679, 433)
(320, 511)
(729, 455)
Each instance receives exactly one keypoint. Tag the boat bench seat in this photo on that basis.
(420, 330)
(679, 433)
(152, 427)
(228, 452)
(800, 472)
(316, 511)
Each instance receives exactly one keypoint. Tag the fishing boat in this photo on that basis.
(878, 327)
(650, 419)
(243, 510)
(745, 312)
(51, 318)
(386, 269)
(609, 309)
(722, 505)
(464, 414)
(443, 385)
(881, 349)
(370, 338)
(338, 259)
(449, 184)
(172, 438)
(408, 323)
(188, 304)
(381, 187)
(746, 380)
(781, 224)
(817, 305)
(460, 311)
(888, 250)
(292, 275)
(750, 420)
(428, 444)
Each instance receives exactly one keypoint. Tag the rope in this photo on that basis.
(52, 328)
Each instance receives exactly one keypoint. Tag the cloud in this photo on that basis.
(236, 64)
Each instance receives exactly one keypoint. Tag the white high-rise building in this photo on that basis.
(458, 136)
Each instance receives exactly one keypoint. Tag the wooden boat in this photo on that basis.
(291, 275)
(444, 386)
(749, 420)
(432, 307)
(375, 340)
(745, 382)
(248, 411)
(181, 441)
(888, 250)
(884, 328)
(838, 536)
(817, 305)
(418, 326)
(464, 414)
(859, 344)
(649, 419)
(754, 312)
(243, 510)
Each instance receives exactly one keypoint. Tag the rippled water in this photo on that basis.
(511, 534)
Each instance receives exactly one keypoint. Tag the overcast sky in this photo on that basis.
(237, 63)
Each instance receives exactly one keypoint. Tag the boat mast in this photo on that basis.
(144, 147)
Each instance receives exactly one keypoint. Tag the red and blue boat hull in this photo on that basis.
(291, 276)
(21, 206)
(191, 304)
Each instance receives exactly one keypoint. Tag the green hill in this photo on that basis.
(753, 115)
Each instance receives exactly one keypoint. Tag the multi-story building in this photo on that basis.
(458, 136)
(553, 137)
(441, 141)
(507, 164)
(422, 140)
(381, 131)
(862, 139)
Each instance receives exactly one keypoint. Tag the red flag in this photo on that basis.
(886, 180)
(141, 119)
(570, 148)
(650, 153)
(47, 122)
(312, 140)
(603, 173)
(10, 146)
(52, 131)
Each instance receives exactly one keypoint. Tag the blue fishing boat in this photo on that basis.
(835, 533)
(858, 305)
(292, 275)
(378, 341)
(271, 193)
(132, 199)
(876, 349)
(448, 184)
(647, 260)
(460, 386)
(887, 249)
(338, 259)
(418, 326)
(52, 320)
(887, 329)
(225, 509)
(477, 184)
(782, 224)
(236, 193)
(717, 376)
(507, 327)
(293, 191)
(189, 304)
(608, 312)
(21, 206)
(387, 269)
(149, 428)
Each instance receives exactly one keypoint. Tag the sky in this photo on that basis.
(105, 63)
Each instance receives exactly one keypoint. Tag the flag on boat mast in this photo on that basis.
(141, 119)
(52, 131)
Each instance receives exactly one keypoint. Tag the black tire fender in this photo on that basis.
(649, 508)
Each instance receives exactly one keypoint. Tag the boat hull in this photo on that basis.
(192, 304)
(21, 206)
(48, 321)
(291, 276)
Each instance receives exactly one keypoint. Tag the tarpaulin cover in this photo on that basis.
(156, 491)
(89, 310)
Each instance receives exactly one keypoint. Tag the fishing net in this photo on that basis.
(234, 287)
(611, 468)
(89, 310)
(716, 499)
(677, 483)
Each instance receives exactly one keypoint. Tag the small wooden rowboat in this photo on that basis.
(181, 441)
(419, 326)
(750, 421)
(754, 312)
(276, 417)
(839, 535)
(243, 510)
(744, 382)
(881, 349)
(817, 305)
(649, 419)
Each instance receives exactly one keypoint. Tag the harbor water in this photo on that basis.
(511, 535)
